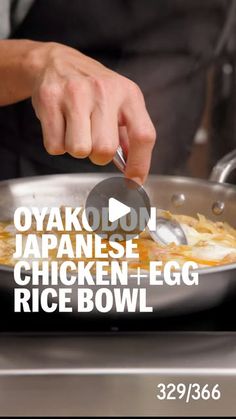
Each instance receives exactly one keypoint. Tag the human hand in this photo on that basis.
(87, 110)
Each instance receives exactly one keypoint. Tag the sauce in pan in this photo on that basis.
(209, 244)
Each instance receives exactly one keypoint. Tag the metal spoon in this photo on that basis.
(167, 231)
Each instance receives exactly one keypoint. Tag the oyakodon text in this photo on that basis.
(72, 281)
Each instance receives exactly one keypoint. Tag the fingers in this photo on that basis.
(53, 128)
(142, 136)
(124, 139)
(52, 122)
(91, 131)
(78, 141)
(86, 117)
(105, 136)
(77, 108)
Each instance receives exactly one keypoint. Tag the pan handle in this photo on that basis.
(219, 173)
(224, 167)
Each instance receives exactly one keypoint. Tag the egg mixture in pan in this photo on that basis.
(209, 244)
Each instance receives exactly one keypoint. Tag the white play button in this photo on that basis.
(116, 209)
(117, 205)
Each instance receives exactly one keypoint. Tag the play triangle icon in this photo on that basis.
(116, 209)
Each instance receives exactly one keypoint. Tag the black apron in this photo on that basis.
(153, 42)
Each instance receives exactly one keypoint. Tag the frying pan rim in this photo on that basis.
(104, 175)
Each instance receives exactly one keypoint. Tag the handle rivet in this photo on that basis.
(178, 199)
(218, 207)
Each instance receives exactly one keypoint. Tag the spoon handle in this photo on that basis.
(119, 159)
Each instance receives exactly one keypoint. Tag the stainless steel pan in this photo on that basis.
(178, 194)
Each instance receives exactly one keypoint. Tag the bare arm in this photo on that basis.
(17, 70)
(84, 108)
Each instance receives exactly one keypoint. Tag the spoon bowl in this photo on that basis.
(167, 231)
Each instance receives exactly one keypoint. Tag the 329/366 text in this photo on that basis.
(188, 392)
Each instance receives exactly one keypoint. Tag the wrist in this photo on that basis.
(36, 58)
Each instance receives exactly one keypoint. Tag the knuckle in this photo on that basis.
(74, 89)
(146, 135)
(103, 154)
(104, 86)
(79, 151)
(134, 89)
(54, 149)
(106, 150)
(48, 94)
(107, 87)
(99, 85)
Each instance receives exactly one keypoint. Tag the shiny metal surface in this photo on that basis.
(103, 375)
(119, 159)
(218, 207)
(167, 231)
(178, 199)
(224, 167)
(72, 190)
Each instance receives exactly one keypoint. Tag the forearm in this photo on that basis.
(20, 64)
